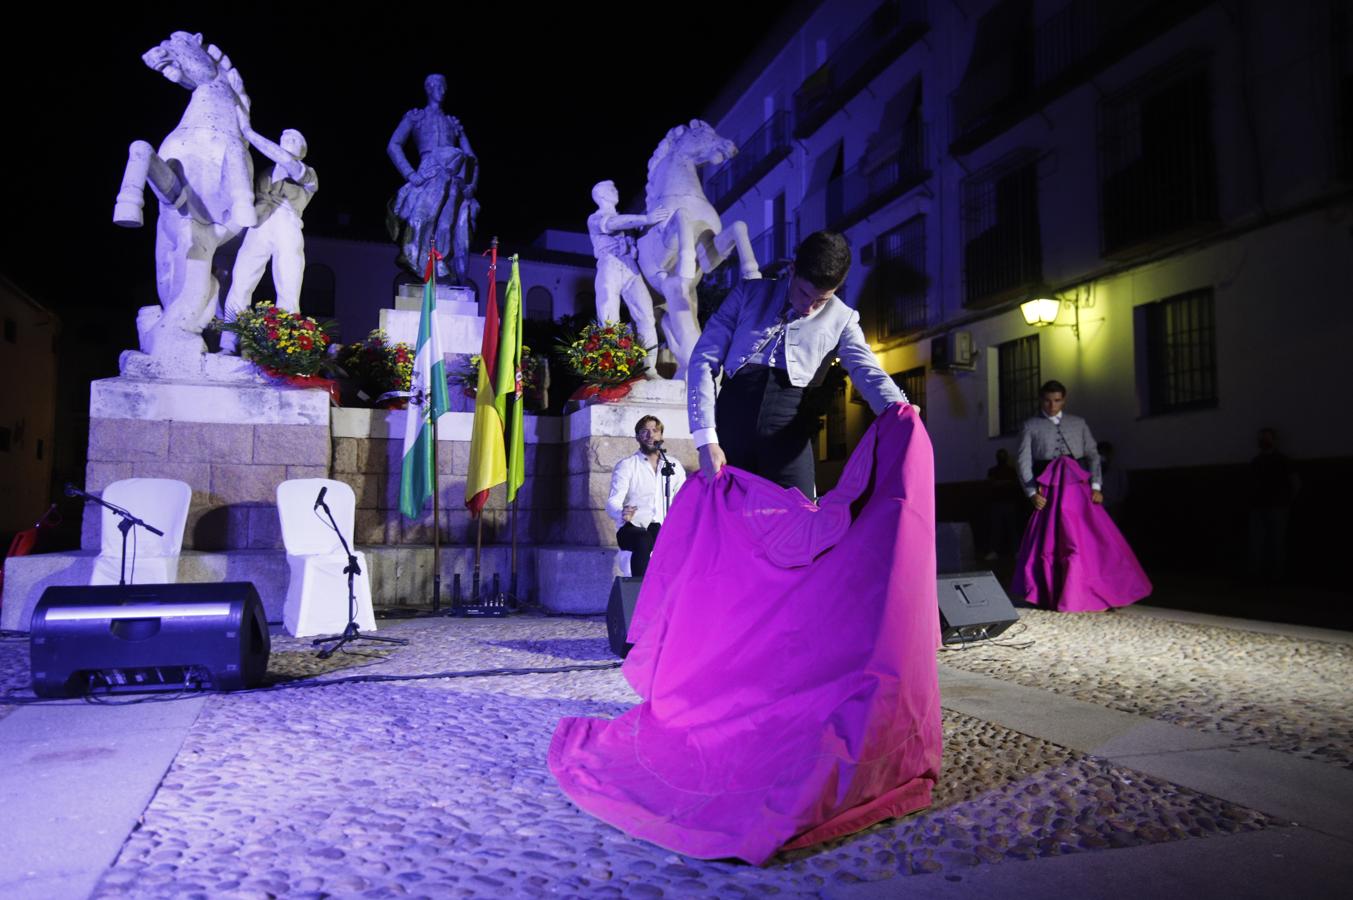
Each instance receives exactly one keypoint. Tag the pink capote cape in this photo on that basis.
(785, 655)
(1073, 558)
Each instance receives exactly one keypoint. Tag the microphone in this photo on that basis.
(657, 445)
(70, 490)
(320, 499)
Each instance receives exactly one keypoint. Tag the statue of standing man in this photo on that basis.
(618, 273)
(437, 205)
(281, 196)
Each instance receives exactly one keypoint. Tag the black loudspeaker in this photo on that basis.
(148, 637)
(620, 611)
(973, 607)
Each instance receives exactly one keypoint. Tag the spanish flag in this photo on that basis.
(488, 455)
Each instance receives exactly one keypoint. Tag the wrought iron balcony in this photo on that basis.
(755, 158)
(775, 244)
(866, 187)
(890, 29)
(1017, 68)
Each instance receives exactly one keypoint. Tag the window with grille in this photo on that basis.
(1176, 338)
(900, 258)
(1018, 381)
(1002, 243)
(1158, 170)
(912, 383)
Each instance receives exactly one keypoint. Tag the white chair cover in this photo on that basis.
(317, 593)
(161, 502)
(622, 563)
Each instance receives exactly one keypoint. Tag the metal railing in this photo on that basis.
(756, 156)
(890, 28)
(871, 183)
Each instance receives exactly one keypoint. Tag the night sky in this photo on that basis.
(552, 99)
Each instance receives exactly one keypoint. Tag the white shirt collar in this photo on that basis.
(1056, 420)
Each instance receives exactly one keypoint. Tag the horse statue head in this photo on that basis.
(689, 146)
(183, 60)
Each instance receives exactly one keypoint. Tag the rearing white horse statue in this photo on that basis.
(203, 177)
(693, 240)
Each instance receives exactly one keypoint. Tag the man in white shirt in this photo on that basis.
(643, 486)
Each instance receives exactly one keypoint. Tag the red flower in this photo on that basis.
(592, 344)
(305, 342)
(625, 343)
(272, 334)
(606, 361)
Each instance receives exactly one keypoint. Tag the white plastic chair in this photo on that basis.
(161, 502)
(317, 592)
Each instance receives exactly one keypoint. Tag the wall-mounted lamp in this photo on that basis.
(1041, 310)
(1043, 306)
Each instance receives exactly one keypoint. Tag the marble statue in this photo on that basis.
(437, 206)
(618, 273)
(203, 177)
(692, 240)
(282, 195)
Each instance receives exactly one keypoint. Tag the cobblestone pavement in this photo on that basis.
(439, 787)
(1289, 694)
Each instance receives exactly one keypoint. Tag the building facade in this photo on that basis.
(1174, 175)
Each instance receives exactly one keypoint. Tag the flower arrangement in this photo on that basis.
(377, 364)
(605, 353)
(280, 343)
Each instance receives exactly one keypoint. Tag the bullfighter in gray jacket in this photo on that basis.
(1055, 433)
(770, 339)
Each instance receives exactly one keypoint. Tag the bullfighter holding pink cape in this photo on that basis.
(785, 654)
(1073, 558)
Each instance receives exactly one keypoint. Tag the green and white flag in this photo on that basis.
(427, 399)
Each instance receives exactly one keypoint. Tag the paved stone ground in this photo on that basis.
(439, 787)
(1283, 693)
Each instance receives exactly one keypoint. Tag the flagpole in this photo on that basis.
(513, 588)
(436, 515)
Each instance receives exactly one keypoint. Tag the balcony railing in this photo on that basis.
(1015, 75)
(1004, 254)
(756, 156)
(1160, 163)
(775, 244)
(891, 28)
(866, 187)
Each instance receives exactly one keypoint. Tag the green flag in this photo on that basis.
(507, 394)
(428, 400)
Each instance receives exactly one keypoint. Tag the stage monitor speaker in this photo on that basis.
(148, 637)
(620, 611)
(973, 607)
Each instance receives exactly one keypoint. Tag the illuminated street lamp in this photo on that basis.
(1040, 310)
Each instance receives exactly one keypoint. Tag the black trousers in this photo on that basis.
(639, 542)
(764, 428)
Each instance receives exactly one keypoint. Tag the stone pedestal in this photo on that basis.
(459, 324)
(232, 442)
(598, 436)
(368, 453)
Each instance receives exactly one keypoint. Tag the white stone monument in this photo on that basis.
(203, 178)
(692, 240)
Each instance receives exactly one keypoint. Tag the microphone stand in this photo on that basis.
(667, 470)
(127, 523)
(352, 570)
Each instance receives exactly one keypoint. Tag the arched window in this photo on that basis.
(540, 304)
